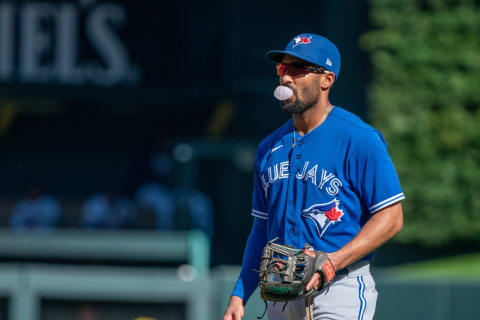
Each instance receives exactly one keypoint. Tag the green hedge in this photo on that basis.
(425, 98)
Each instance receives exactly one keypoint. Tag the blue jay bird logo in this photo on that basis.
(323, 215)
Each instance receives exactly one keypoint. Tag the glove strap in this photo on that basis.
(309, 301)
(264, 311)
(328, 271)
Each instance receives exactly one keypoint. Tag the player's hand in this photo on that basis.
(315, 281)
(235, 309)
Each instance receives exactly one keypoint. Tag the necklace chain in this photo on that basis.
(327, 111)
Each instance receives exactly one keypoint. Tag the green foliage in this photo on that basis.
(456, 267)
(425, 99)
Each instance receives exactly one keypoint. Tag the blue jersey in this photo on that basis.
(323, 187)
(320, 188)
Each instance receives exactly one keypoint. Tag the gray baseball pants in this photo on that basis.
(350, 296)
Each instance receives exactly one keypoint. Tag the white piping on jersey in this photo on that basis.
(386, 202)
(276, 148)
(259, 214)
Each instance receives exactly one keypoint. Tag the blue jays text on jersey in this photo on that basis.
(324, 188)
(308, 173)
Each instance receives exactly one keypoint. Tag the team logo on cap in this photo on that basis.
(324, 215)
(300, 40)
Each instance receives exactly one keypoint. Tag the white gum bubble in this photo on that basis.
(283, 93)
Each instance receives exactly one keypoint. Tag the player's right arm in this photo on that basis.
(248, 280)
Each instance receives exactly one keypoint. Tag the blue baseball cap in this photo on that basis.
(312, 48)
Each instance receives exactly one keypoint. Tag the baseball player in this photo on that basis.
(324, 178)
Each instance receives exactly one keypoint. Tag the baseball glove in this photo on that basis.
(285, 271)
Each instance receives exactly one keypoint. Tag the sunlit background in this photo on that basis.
(128, 132)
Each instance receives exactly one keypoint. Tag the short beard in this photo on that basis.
(300, 106)
(296, 107)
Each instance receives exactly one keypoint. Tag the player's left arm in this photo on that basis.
(380, 228)
(375, 180)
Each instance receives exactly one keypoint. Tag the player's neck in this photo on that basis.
(310, 119)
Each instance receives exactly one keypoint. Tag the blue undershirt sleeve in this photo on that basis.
(248, 280)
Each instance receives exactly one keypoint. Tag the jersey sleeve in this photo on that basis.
(373, 174)
(259, 197)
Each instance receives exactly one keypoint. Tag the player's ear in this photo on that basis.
(327, 81)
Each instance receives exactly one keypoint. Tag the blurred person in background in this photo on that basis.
(174, 208)
(156, 197)
(157, 200)
(198, 208)
(37, 211)
(108, 211)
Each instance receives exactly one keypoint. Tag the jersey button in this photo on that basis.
(300, 143)
(298, 156)
(292, 229)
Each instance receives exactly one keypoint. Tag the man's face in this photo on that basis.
(306, 87)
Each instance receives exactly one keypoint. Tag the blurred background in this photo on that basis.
(128, 133)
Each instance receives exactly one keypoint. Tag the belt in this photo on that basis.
(351, 268)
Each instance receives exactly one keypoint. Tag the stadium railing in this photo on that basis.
(26, 287)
